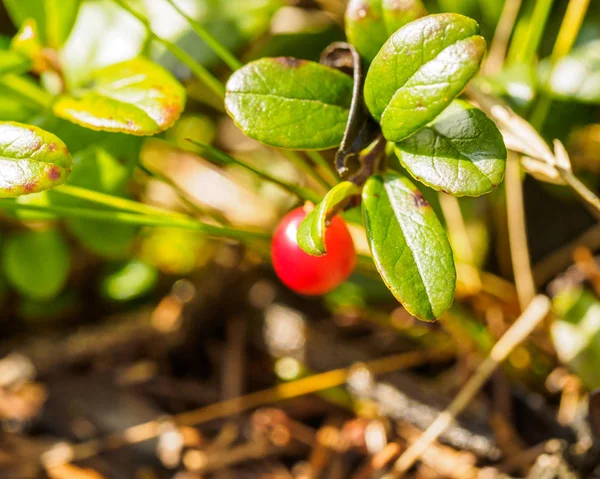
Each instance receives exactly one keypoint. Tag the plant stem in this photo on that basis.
(114, 201)
(222, 52)
(296, 159)
(569, 29)
(197, 69)
(27, 89)
(140, 220)
(318, 159)
(533, 36)
(303, 193)
(517, 234)
(495, 60)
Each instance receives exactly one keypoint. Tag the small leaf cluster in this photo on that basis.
(78, 128)
(406, 104)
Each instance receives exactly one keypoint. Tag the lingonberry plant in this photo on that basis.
(407, 103)
(387, 102)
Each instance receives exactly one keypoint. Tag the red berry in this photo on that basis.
(308, 274)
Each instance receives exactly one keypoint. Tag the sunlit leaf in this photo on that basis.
(369, 23)
(461, 152)
(576, 76)
(130, 281)
(55, 18)
(36, 263)
(136, 97)
(311, 232)
(420, 70)
(103, 34)
(31, 160)
(576, 333)
(409, 245)
(290, 103)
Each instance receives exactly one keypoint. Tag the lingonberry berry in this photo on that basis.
(306, 274)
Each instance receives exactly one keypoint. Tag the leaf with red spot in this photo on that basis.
(31, 160)
(409, 245)
(136, 97)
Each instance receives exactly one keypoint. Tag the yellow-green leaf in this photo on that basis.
(311, 232)
(136, 97)
(31, 160)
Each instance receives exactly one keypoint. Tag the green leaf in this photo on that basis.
(132, 280)
(136, 97)
(576, 333)
(105, 167)
(31, 160)
(55, 18)
(290, 103)
(311, 233)
(13, 62)
(87, 50)
(36, 263)
(369, 23)
(420, 70)
(461, 152)
(576, 76)
(409, 245)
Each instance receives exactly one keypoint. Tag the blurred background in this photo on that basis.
(122, 347)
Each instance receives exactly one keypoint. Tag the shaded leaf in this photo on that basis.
(290, 103)
(461, 152)
(311, 232)
(31, 160)
(409, 245)
(105, 167)
(136, 97)
(420, 70)
(36, 263)
(576, 76)
(55, 18)
(369, 23)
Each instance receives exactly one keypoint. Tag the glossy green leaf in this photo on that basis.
(576, 76)
(311, 233)
(55, 18)
(31, 160)
(461, 152)
(420, 70)
(409, 245)
(290, 103)
(36, 263)
(136, 97)
(369, 23)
